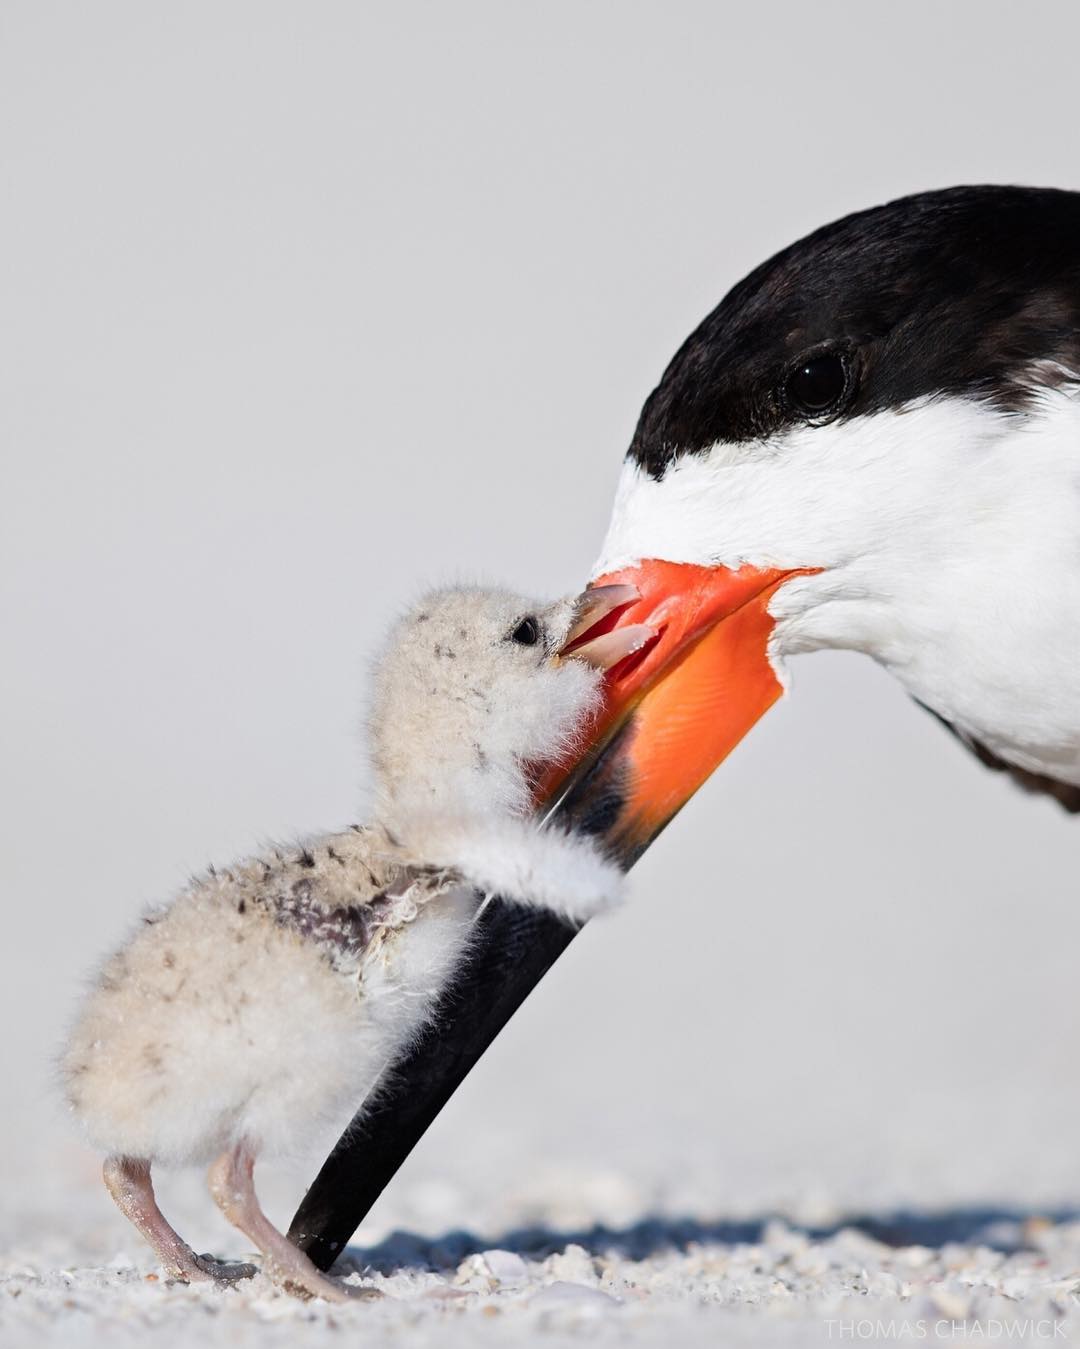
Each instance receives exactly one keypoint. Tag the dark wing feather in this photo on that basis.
(1066, 794)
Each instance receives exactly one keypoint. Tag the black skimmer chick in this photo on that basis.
(246, 1011)
(872, 443)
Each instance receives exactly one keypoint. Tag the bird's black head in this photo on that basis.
(970, 290)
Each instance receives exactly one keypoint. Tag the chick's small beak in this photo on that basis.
(688, 675)
(593, 639)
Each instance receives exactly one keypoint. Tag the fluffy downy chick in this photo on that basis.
(252, 1007)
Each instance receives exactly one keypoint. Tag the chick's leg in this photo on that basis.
(128, 1181)
(232, 1184)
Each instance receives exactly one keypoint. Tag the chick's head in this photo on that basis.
(471, 698)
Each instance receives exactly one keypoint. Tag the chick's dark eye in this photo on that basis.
(527, 632)
(817, 384)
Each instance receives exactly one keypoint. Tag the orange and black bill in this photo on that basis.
(685, 654)
(696, 679)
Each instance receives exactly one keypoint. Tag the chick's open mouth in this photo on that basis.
(593, 636)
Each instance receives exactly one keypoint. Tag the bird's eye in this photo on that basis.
(817, 385)
(527, 632)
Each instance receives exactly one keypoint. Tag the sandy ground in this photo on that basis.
(653, 1284)
(570, 1256)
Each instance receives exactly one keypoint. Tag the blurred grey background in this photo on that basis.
(307, 306)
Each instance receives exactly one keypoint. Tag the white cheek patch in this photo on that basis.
(816, 496)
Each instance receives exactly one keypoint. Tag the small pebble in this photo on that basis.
(506, 1267)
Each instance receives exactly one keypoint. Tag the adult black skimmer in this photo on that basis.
(872, 443)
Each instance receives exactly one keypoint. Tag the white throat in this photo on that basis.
(948, 534)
